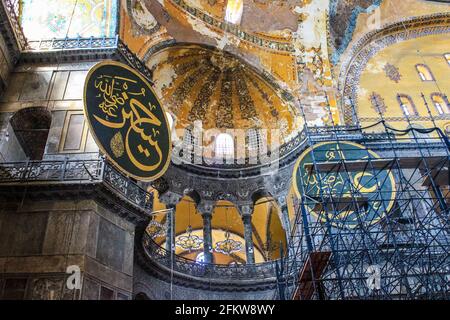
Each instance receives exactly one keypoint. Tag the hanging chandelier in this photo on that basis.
(189, 242)
(228, 246)
(156, 229)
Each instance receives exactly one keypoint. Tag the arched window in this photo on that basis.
(447, 129)
(407, 105)
(447, 58)
(253, 142)
(188, 141)
(234, 11)
(440, 102)
(224, 146)
(424, 72)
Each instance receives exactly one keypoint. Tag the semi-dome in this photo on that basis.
(200, 83)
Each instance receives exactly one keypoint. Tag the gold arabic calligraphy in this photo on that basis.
(334, 184)
(115, 95)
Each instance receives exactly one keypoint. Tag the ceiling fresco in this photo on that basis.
(351, 20)
(283, 40)
(212, 86)
(68, 18)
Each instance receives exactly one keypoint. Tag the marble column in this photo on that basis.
(170, 224)
(248, 235)
(207, 237)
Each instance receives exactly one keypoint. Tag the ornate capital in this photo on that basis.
(246, 210)
(206, 208)
(170, 199)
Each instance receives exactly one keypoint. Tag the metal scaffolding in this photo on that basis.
(372, 216)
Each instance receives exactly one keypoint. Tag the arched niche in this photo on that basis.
(268, 232)
(31, 127)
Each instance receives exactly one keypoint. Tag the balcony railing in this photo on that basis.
(67, 171)
(263, 271)
(12, 10)
(73, 44)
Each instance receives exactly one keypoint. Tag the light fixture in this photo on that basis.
(235, 9)
(189, 242)
(228, 246)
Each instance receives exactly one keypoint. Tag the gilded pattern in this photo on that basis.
(246, 103)
(224, 118)
(203, 100)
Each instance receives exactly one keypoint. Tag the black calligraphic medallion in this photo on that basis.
(354, 197)
(127, 120)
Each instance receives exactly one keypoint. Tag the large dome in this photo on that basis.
(199, 83)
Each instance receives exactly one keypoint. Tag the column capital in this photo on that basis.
(282, 201)
(205, 208)
(246, 210)
(170, 199)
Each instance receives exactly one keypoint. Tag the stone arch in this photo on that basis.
(141, 296)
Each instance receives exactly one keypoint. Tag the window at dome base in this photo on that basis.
(235, 9)
(48, 19)
(224, 145)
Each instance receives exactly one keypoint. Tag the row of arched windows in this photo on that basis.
(408, 107)
(224, 143)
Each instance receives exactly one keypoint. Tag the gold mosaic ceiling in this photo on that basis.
(199, 83)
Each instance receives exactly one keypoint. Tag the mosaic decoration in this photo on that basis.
(189, 242)
(224, 117)
(127, 120)
(372, 43)
(53, 19)
(373, 193)
(392, 72)
(353, 9)
(156, 229)
(233, 29)
(228, 246)
(143, 18)
(201, 84)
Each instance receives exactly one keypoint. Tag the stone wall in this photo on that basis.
(5, 64)
(59, 89)
(156, 289)
(39, 240)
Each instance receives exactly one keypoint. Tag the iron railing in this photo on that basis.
(12, 10)
(263, 271)
(73, 44)
(70, 171)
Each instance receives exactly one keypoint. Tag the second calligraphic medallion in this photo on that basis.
(127, 120)
(344, 184)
